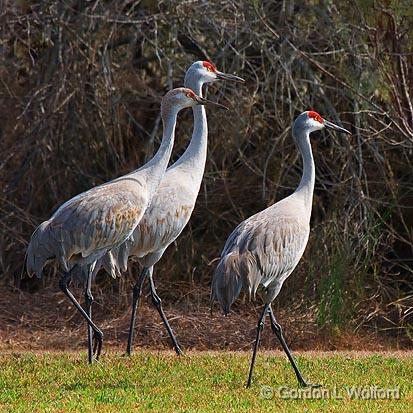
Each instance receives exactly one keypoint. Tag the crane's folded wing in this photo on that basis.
(268, 249)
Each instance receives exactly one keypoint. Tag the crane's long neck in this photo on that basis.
(305, 189)
(194, 158)
(154, 170)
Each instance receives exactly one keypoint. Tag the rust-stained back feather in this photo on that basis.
(83, 229)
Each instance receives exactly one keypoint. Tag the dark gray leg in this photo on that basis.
(276, 328)
(137, 291)
(63, 284)
(158, 304)
(260, 327)
(88, 307)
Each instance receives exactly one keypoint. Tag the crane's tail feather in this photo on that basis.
(41, 248)
(109, 263)
(227, 281)
(115, 262)
(123, 255)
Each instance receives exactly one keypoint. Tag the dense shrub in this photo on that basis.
(80, 83)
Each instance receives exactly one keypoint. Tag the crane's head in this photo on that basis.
(181, 98)
(205, 72)
(311, 121)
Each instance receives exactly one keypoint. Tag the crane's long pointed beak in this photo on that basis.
(226, 76)
(331, 125)
(203, 101)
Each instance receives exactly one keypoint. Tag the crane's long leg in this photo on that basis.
(137, 291)
(276, 328)
(260, 327)
(88, 307)
(63, 283)
(157, 302)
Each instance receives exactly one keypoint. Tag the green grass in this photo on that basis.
(197, 382)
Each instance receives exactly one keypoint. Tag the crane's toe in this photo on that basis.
(97, 343)
(304, 383)
(178, 350)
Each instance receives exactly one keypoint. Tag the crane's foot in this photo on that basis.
(178, 350)
(129, 352)
(129, 347)
(97, 344)
(304, 383)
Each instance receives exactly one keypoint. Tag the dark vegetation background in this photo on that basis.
(80, 86)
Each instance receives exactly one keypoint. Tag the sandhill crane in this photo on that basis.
(89, 225)
(264, 249)
(172, 205)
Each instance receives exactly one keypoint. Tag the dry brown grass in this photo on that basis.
(50, 323)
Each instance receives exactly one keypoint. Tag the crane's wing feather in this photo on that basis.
(88, 224)
(262, 250)
(162, 222)
(274, 245)
(104, 218)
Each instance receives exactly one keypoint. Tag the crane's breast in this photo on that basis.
(158, 229)
(164, 219)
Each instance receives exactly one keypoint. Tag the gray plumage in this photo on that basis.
(90, 225)
(172, 205)
(263, 250)
(86, 227)
(261, 253)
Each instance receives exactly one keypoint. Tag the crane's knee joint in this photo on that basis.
(89, 297)
(98, 335)
(64, 282)
(261, 325)
(276, 328)
(156, 300)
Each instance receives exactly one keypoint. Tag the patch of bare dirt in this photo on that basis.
(46, 320)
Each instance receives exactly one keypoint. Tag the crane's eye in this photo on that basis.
(189, 95)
